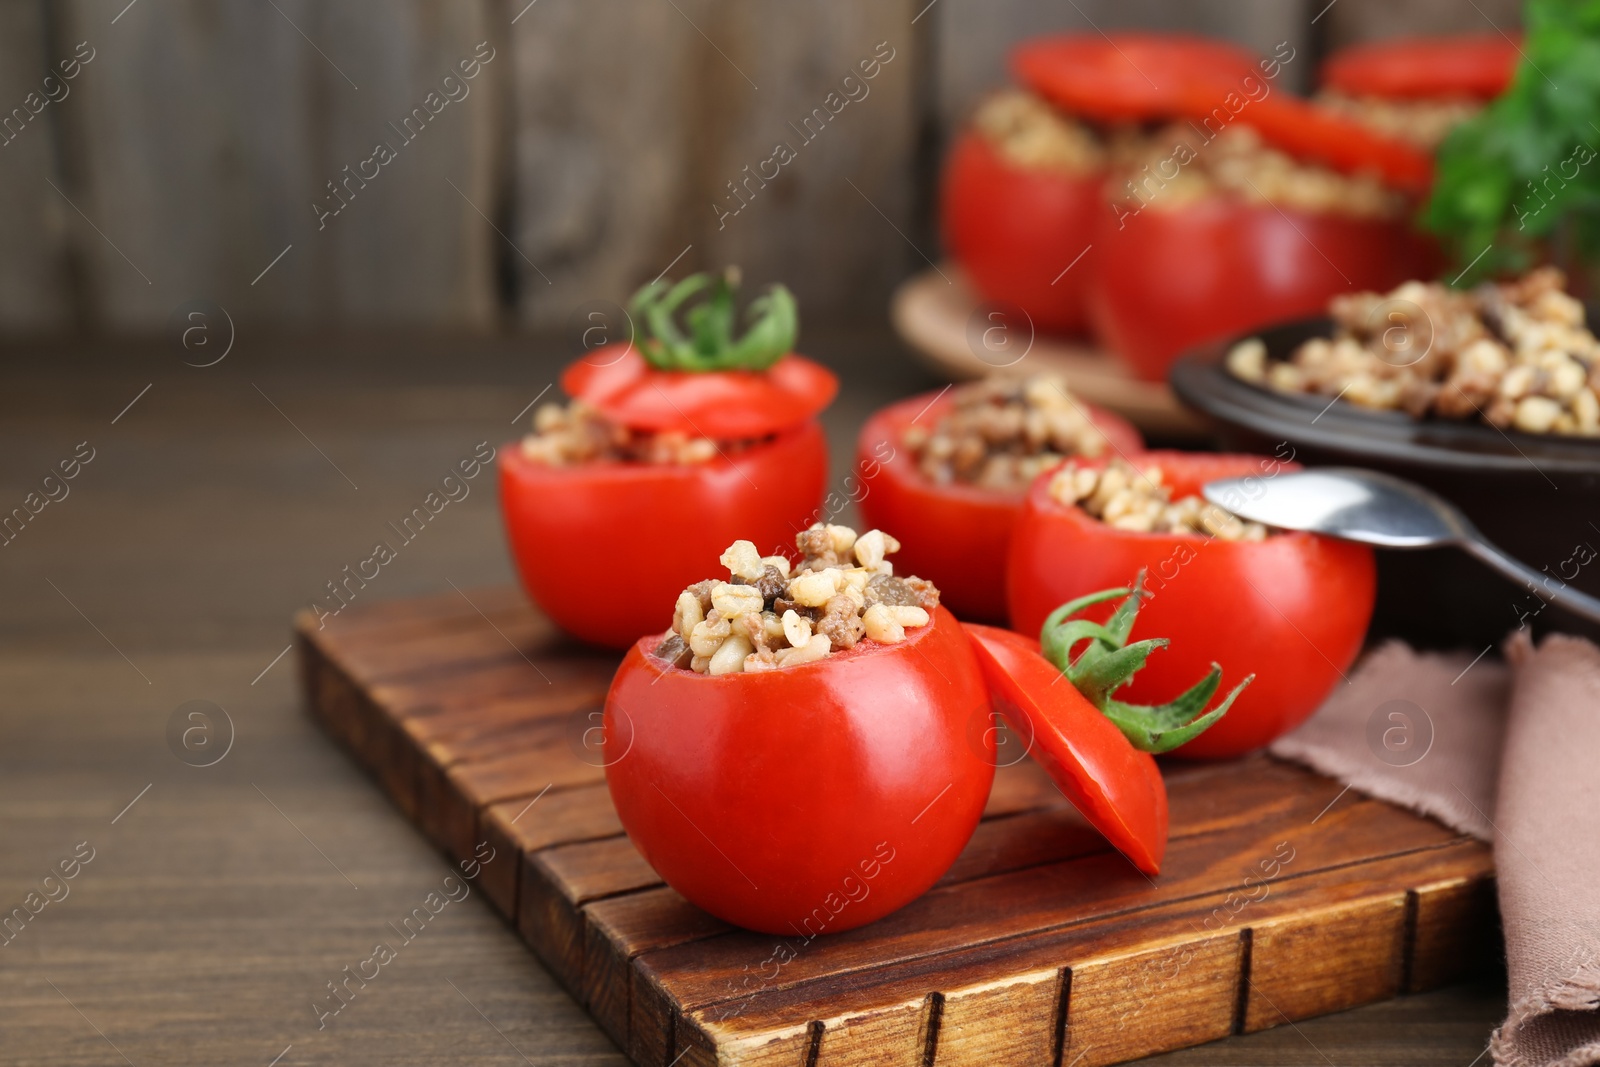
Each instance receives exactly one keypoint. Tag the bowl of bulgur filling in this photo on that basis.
(1490, 397)
(951, 469)
(1513, 355)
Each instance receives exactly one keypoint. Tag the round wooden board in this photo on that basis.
(930, 311)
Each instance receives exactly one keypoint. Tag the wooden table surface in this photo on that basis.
(221, 900)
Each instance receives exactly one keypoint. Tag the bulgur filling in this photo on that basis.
(1130, 498)
(1423, 123)
(564, 435)
(769, 614)
(1514, 355)
(1001, 433)
(1028, 132)
(1177, 166)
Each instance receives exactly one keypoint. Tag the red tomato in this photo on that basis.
(1114, 785)
(1129, 77)
(1172, 278)
(605, 548)
(1015, 230)
(956, 536)
(1479, 65)
(808, 799)
(1292, 609)
(724, 405)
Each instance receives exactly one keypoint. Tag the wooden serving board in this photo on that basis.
(1282, 897)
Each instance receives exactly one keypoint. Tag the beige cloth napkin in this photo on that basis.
(1510, 753)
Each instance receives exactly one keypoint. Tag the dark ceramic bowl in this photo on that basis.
(1537, 496)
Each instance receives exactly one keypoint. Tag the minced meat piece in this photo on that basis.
(675, 650)
(771, 583)
(781, 605)
(701, 591)
(816, 545)
(927, 592)
(841, 621)
(887, 589)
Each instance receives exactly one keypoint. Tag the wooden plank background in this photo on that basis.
(591, 151)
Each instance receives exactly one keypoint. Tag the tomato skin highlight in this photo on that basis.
(808, 799)
(1173, 278)
(1111, 783)
(1477, 65)
(605, 548)
(1015, 229)
(725, 405)
(1292, 610)
(956, 536)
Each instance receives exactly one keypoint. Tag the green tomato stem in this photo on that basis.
(1108, 662)
(706, 339)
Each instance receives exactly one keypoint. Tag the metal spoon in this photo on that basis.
(1378, 509)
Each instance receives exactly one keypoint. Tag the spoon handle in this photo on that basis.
(1547, 587)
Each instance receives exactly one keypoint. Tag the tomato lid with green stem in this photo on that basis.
(1096, 748)
(702, 376)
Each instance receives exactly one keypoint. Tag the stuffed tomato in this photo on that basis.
(1250, 208)
(673, 445)
(1290, 608)
(796, 754)
(951, 471)
(1023, 185)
